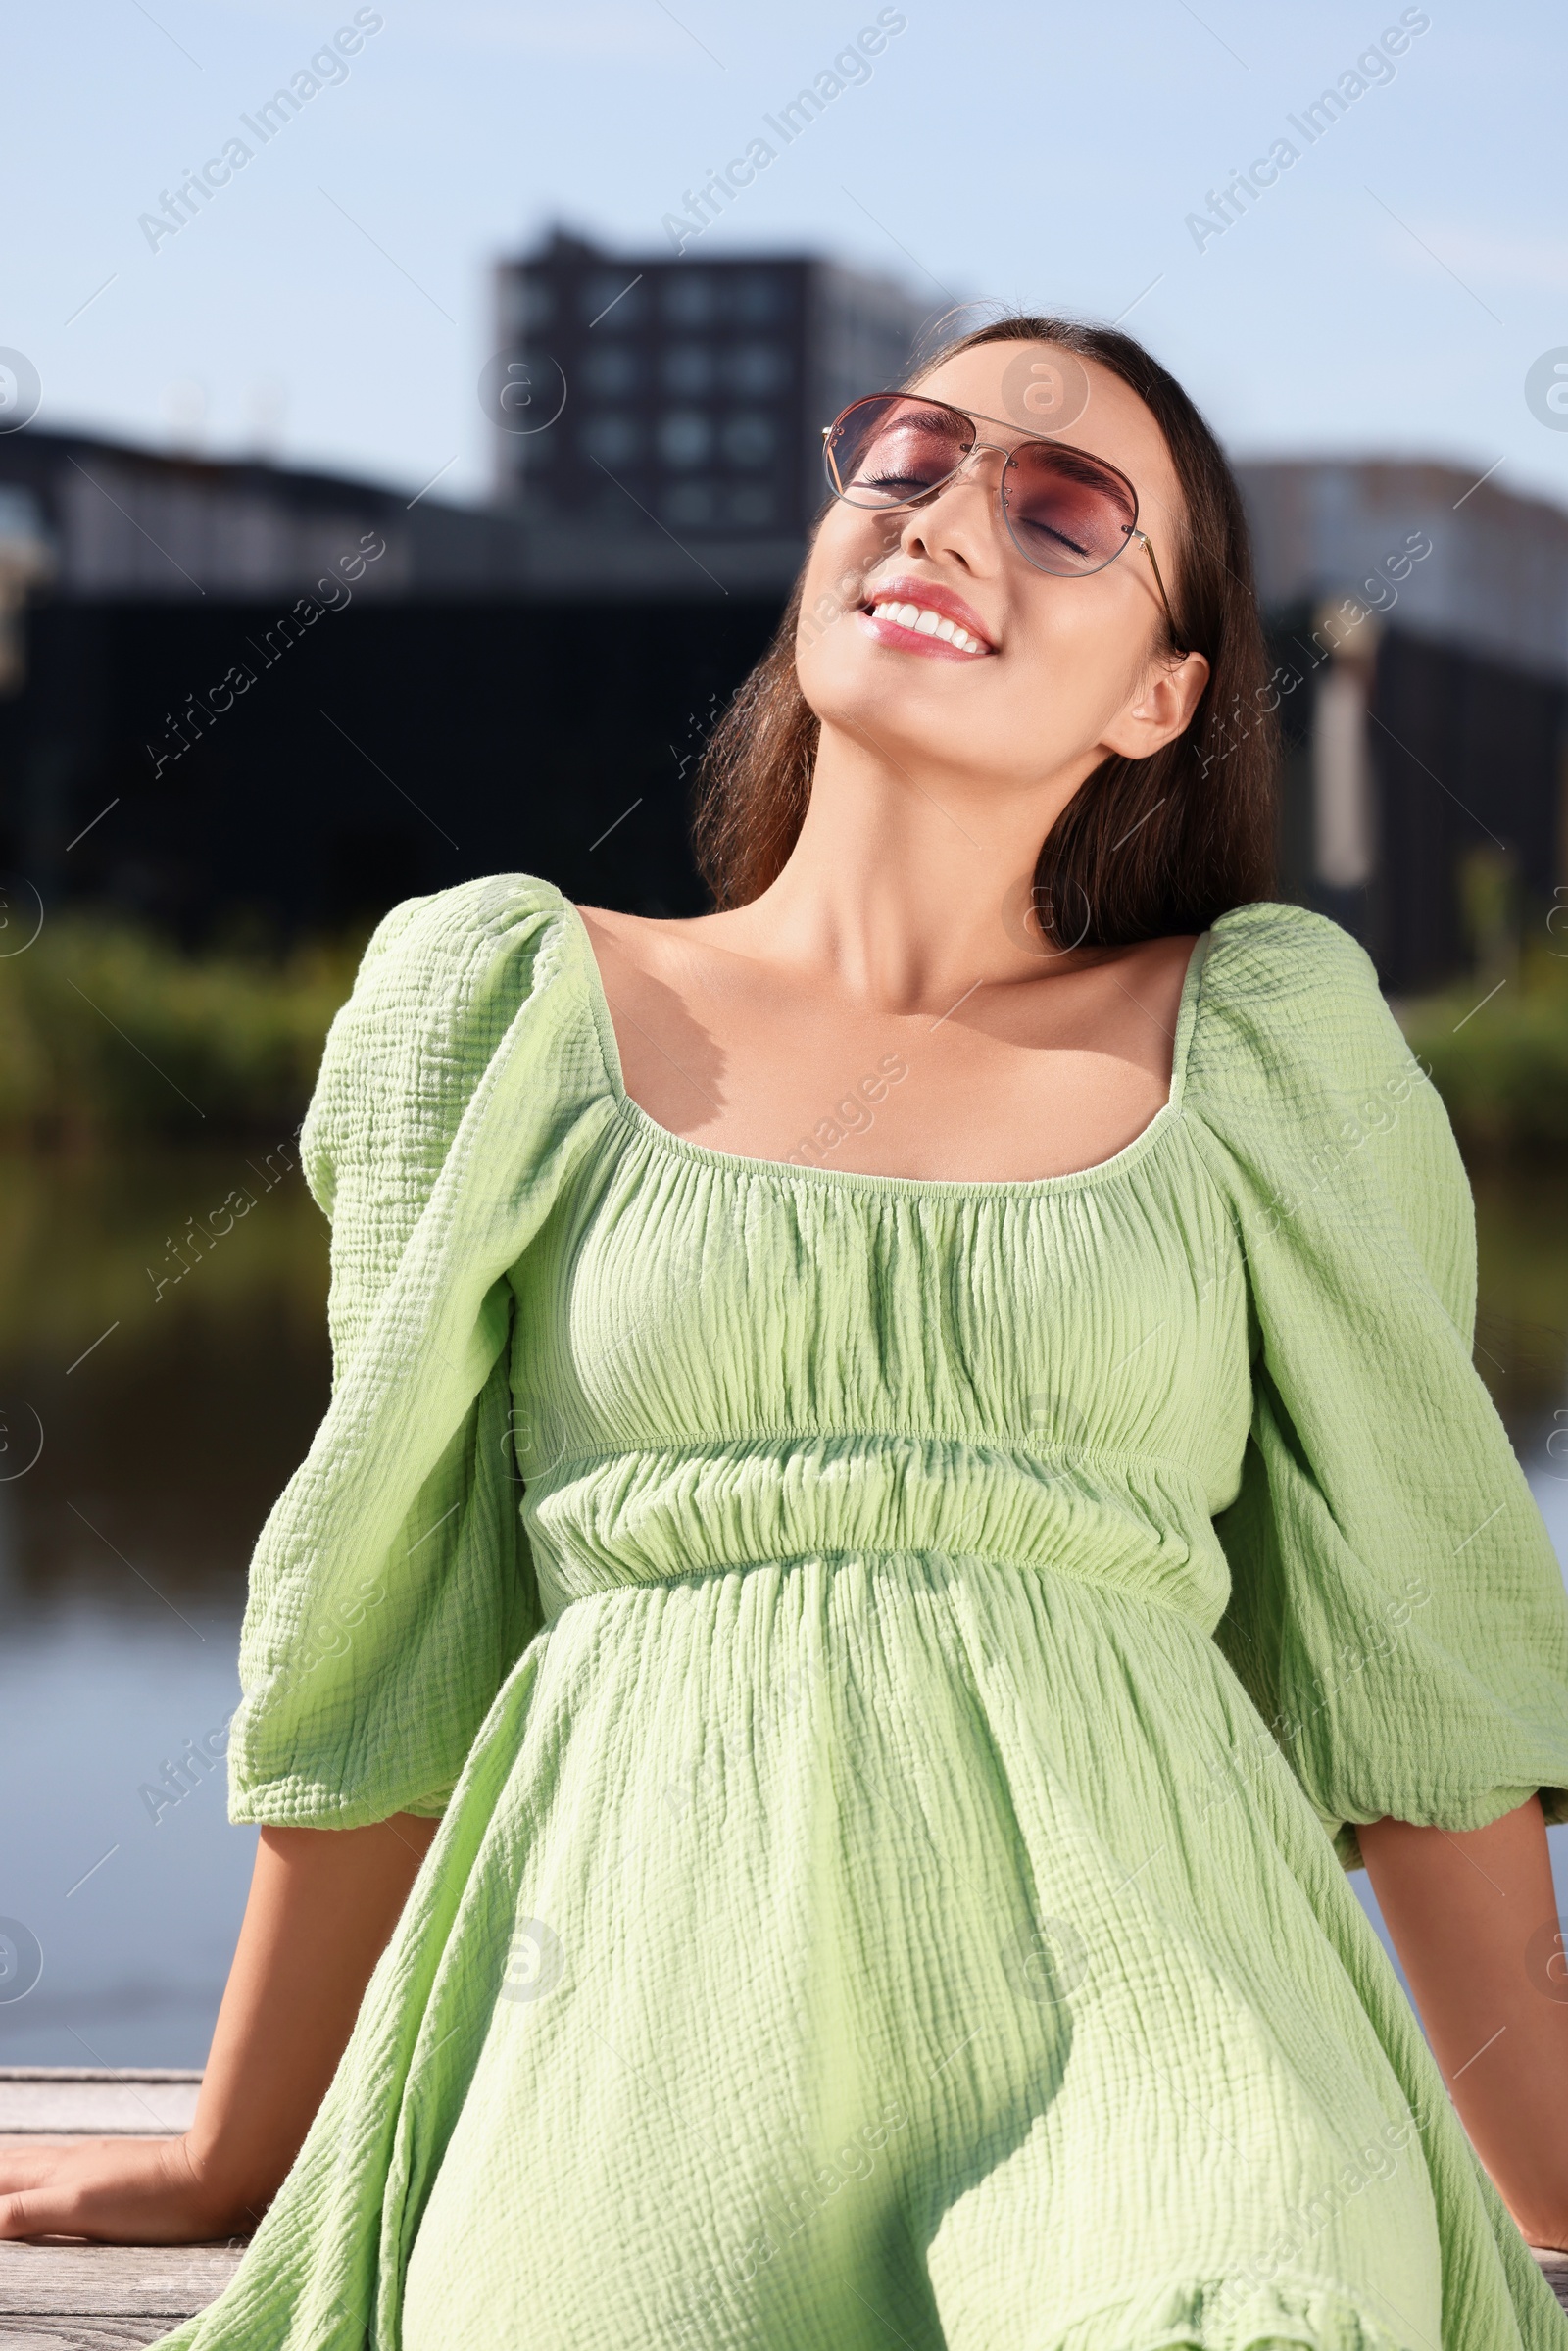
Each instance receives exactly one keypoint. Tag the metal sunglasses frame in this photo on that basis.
(975, 417)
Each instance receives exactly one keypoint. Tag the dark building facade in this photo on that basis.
(296, 699)
(1419, 624)
(389, 749)
(683, 394)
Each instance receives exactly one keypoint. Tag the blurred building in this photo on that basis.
(1419, 622)
(233, 689)
(649, 407)
(111, 524)
(239, 693)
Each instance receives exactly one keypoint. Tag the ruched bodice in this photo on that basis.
(901, 1666)
(814, 1362)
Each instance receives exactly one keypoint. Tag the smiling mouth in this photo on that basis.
(921, 621)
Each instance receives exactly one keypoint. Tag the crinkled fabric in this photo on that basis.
(899, 1666)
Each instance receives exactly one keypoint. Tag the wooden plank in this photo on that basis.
(74, 2103)
(1555, 2267)
(76, 2297)
(64, 2278)
(80, 2334)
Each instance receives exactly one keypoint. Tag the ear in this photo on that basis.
(1159, 710)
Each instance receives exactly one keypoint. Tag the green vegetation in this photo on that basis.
(108, 1029)
(1500, 1060)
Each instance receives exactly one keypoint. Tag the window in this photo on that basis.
(609, 370)
(688, 370)
(756, 367)
(749, 439)
(752, 509)
(758, 297)
(611, 300)
(613, 437)
(685, 437)
(692, 503)
(690, 298)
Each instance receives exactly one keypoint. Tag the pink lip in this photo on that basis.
(934, 599)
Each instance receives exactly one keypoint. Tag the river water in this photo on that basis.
(156, 1391)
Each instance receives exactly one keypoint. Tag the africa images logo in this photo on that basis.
(176, 209)
(1375, 65)
(849, 68)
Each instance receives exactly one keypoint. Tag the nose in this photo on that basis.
(940, 517)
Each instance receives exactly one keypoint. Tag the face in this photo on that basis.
(1045, 674)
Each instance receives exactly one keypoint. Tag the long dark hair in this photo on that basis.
(1144, 848)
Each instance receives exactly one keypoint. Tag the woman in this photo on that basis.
(1010, 1519)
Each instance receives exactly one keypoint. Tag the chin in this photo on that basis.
(911, 729)
(851, 675)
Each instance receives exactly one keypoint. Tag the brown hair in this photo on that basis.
(1144, 848)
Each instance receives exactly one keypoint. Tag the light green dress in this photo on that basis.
(899, 1749)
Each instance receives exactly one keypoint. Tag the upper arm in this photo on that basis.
(1397, 1611)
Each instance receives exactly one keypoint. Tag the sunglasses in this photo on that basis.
(1067, 513)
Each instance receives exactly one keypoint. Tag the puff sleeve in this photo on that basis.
(391, 1590)
(1396, 1613)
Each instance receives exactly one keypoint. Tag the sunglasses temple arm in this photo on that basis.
(1176, 634)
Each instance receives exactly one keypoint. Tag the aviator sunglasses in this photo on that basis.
(1067, 513)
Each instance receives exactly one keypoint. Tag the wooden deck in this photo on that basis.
(58, 2294)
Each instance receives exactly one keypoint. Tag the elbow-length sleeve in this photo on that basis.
(391, 1589)
(1396, 1614)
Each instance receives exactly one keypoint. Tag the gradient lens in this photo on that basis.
(890, 450)
(1067, 514)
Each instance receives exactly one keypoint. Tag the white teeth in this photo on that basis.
(926, 624)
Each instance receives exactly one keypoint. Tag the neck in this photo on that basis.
(905, 887)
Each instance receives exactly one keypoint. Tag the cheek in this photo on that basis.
(1087, 652)
(827, 661)
(849, 546)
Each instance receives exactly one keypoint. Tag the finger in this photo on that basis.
(52, 2191)
(29, 2213)
(23, 2167)
(27, 2167)
(110, 2218)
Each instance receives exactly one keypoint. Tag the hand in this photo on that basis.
(323, 1902)
(118, 2192)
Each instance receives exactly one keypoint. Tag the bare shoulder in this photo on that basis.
(656, 946)
(651, 930)
(1164, 955)
(1148, 976)
(1119, 1005)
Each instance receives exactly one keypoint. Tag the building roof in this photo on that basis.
(1493, 577)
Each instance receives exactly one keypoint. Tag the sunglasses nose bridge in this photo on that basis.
(977, 450)
(966, 464)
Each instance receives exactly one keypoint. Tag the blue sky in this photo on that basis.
(1387, 295)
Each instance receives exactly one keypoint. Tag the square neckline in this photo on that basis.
(633, 1114)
